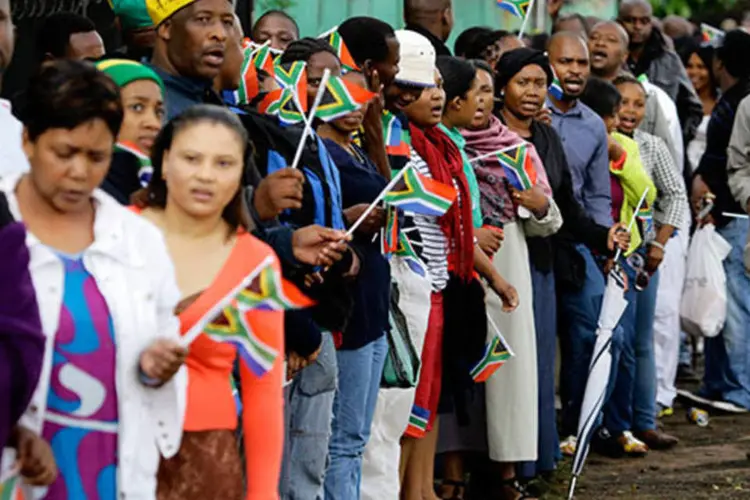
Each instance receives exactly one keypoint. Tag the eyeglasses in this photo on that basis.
(642, 277)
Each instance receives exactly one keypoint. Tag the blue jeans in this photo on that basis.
(632, 405)
(308, 413)
(727, 376)
(578, 316)
(360, 372)
(545, 320)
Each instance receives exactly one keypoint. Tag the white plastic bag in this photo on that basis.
(703, 310)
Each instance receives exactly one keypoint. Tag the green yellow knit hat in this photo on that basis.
(133, 14)
(124, 71)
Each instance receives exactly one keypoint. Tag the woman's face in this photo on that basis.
(318, 63)
(526, 91)
(461, 110)
(486, 100)
(144, 112)
(203, 168)
(67, 165)
(353, 121)
(698, 72)
(633, 107)
(427, 111)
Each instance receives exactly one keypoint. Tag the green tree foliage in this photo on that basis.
(692, 8)
(265, 5)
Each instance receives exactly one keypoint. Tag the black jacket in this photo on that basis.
(713, 165)
(441, 49)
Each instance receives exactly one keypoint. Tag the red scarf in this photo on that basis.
(447, 166)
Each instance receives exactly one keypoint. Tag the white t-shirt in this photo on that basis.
(12, 157)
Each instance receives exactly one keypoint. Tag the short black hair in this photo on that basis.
(472, 43)
(601, 96)
(271, 13)
(458, 76)
(732, 52)
(366, 38)
(304, 48)
(65, 94)
(568, 17)
(625, 77)
(155, 195)
(481, 64)
(54, 34)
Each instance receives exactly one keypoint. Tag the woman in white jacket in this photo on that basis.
(111, 393)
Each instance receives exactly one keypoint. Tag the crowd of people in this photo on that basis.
(141, 185)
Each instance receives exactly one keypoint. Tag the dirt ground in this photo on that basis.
(709, 463)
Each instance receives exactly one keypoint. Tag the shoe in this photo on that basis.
(624, 445)
(657, 440)
(568, 446)
(685, 373)
(665, 411)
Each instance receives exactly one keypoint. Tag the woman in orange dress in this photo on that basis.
(194, 198)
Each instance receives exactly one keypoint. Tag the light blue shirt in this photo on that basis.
(584, 139)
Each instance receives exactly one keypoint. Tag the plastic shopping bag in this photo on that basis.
(703, 310)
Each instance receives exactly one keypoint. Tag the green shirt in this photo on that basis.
(460, 142)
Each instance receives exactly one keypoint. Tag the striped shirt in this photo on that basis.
(426, 235)
(671, 197)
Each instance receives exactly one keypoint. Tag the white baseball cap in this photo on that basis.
(417, 66)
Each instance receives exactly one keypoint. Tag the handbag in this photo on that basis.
(401, 370)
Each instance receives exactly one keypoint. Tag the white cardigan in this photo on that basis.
(132, 268)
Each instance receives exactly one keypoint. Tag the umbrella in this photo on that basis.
(613, 307)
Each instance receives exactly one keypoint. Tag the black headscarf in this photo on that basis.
(512, 62)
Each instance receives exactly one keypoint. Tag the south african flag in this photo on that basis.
(421, 195)
(145, 168)
(396, 138)
(389, 233)
(711, 34)
(518, 168)
(496, 353)
(341, 98)
(335, 40)
(518, 8)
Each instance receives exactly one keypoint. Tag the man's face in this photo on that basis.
(278, 29)
(388, 69)
(607, 48)
(6, 35)
(196, 38)
(570, 59)
(87, 46)
(636, 19)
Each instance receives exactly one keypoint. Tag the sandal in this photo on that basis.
(513, 487)
(459, 488)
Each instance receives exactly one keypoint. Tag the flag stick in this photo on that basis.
(490, 155)
(632, 220)
(572, 489)
(526, 20)
(308, 123)
(377, 200)
(735, 216)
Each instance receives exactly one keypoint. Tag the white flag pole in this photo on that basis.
(309, 121)
(490, 155)
(377, 200)
(632, 220)
(526, 20)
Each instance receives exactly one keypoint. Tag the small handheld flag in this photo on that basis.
(496, 353)
(10, 488)
(406, 251)
(555, 89)
(646, 218)
(389, 233)
(145, 168)
(270, 292)
(418, 421)
(262, 58)
(421, 195)
(396, 143)
(711, 34)
(342, 97)
(334, 39)
(518, 8)
(518, 168)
